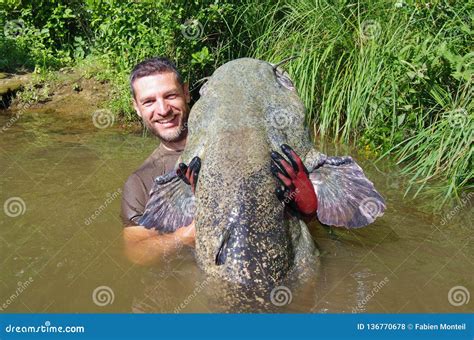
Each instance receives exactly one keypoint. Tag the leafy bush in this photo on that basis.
(45, 33)
(126, 32)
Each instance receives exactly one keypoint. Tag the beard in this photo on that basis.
(173, 135)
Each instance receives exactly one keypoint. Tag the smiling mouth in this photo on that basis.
(166, 121)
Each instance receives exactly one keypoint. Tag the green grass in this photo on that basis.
(387, 78)
(442, 151)
(392, 77)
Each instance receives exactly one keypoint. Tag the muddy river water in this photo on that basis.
(61, 241)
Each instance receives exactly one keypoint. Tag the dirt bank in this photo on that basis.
(10, 84)
(69, 91)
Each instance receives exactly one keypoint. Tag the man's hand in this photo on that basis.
(146, 247)
(297, 191)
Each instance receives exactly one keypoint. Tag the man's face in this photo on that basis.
(162, 102)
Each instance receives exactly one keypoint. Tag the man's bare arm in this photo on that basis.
(146, 247)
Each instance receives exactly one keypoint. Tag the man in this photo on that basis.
(161, 99)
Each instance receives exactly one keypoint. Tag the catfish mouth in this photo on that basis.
(221, 254)
(233, 221)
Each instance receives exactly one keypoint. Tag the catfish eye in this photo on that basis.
(203, 89)
(284, 79)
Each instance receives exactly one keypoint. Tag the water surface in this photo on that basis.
(63, 176)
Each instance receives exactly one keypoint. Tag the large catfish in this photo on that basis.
(248, 108)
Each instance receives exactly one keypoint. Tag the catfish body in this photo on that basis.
(247, 109)
(244, 113)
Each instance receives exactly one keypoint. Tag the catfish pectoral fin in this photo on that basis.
(346, 198)
(170, 206)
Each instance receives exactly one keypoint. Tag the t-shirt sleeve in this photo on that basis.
(134, 199)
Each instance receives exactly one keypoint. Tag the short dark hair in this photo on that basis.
(153, 66)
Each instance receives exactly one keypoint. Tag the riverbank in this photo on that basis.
(70, 91)
(10, 84)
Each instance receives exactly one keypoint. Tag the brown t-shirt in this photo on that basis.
(136, 190)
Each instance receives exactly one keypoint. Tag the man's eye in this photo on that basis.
(172, 96)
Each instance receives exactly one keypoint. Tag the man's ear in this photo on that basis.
(135, 106)
(186, 92)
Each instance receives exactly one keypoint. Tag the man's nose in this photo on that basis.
(162, 108)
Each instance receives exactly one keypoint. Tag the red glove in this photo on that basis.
(189, 174)
(297, 191)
